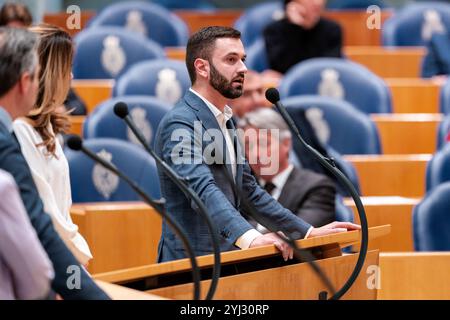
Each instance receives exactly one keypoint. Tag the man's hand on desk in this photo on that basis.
(334, 227)
(272, 238)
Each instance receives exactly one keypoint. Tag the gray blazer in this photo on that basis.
(310, 196)
(207, 175)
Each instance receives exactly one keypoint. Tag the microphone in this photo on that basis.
(75, 143)
(273, 96)
(121, 111)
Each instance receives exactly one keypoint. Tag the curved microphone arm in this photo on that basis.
(75, 143)
(273, 96)
(121, 111)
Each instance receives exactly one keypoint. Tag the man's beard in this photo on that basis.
(225, 87)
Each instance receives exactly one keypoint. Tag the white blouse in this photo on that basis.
(51, 176)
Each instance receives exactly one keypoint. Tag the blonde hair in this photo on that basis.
(55, 51)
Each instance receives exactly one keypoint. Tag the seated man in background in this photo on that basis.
(25, 270)
(303, 34)
(309, 195)
(19, 83)
(17, 15)
(252, 98)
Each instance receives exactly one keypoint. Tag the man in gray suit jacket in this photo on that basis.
(309, 195)
(198, 141)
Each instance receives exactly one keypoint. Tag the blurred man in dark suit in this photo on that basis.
(309, 195)
(19, 83)
(303, 34)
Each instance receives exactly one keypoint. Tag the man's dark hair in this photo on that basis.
(17, 55)
(15, 12)
(201, 45)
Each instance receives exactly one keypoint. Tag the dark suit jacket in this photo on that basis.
(12, 160)
(288, 44)
(310, 196)
(179, 142)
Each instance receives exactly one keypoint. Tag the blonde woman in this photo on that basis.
(37, 135)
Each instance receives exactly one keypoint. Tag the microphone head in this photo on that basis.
(74, 142)
(121, 109)
(272, 95)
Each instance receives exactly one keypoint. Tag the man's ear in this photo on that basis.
(24, 82)
(202, 67)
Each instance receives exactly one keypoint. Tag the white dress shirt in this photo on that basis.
(52, 179)
(222, 118)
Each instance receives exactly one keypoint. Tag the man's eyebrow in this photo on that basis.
(235, 54)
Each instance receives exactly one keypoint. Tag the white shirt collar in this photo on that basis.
(280, 179)
(227, 111)
(6, 119)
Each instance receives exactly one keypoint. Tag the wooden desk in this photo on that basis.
(353, 23)
(60, 19)
(76, 125)
(391, 175)
(116, 292)
(415, 275)
(354, 26)
(396, 211)
(394, 62)
(407, 133)
(409, 95)
(120, 234)
(414, 95)
(93, 92)
(273, 283)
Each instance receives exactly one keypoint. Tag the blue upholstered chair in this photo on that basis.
(431, 220)
(106, 52)
(165, 79)
(92, 183)
(340, 79)
(348, 130)
(415, 24)
(355, 4)
(149, 19)
(256, 18)
(146, 112)
(257, 56)
(443, 132)
(438, 168)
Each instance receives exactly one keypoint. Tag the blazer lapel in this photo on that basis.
(209, 121)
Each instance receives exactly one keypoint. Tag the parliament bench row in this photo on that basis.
(125, 234)
(409, 95)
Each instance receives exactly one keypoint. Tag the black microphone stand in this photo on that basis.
(121, 111)
(273, 96)
(75, 143)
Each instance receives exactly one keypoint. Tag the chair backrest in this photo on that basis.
(444, 98)
(257, 56)
(145, 111)
(340, 79)
(438, 168)
(355, 4)
(431, 220)
(106, 52)
(415, 24)
(183, 4)
(256, 18)
(165, 79)
(149, 19)
(91, 182)
(443, 132)
(344, 128)
(347, 169)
